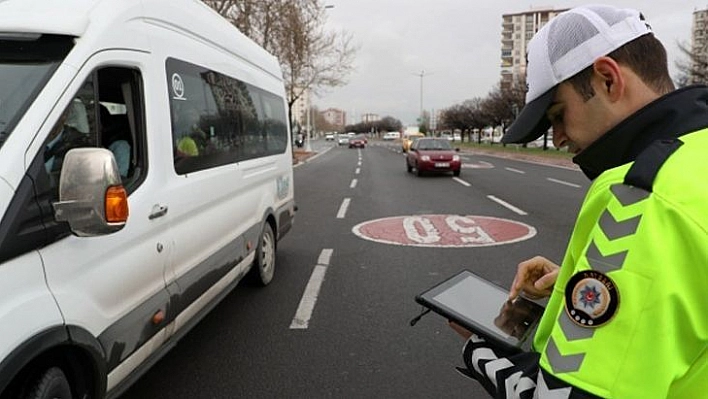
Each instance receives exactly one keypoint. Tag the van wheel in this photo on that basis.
(456, 172)
(52, 384)
(264, 264)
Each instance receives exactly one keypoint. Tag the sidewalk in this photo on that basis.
(536, 158)
(300, 155)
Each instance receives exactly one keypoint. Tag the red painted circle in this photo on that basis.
(450, 231)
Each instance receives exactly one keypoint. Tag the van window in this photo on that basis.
(218, 120)
(105, 112)
(26, 64)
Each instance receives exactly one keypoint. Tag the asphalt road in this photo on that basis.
(356, 341)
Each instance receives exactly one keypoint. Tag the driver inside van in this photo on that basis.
(63, 138)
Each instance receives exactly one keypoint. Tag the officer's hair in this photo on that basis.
(645, 56)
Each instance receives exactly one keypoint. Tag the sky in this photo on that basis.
(455, 45)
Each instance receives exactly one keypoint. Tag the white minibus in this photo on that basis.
(145, 169)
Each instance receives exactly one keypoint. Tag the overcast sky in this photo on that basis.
(455, 44)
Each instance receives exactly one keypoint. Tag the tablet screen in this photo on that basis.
(482, 307)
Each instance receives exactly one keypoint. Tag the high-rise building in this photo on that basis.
(699, 47)
(335, 117)
(300, 108)
(368, 117)
(517, 31)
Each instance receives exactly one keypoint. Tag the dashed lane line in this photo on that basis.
(563, 182)
(464, 183)
(507, 205)
(343, 208)
(304, 311)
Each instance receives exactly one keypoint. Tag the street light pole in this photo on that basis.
(422, 74)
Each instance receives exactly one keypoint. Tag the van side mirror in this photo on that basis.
(91, 196)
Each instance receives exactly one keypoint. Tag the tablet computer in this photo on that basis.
(483, 308)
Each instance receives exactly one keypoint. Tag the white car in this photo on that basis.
(329, 137)
(343, 139)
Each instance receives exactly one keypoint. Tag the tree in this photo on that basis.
(311, 57)
(693, 69)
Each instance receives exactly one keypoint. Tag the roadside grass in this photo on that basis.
(516, 149)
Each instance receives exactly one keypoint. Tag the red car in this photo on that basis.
(433, 155)
(358, 141)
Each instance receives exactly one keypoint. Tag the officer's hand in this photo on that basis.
(535, 278)
(465, 333)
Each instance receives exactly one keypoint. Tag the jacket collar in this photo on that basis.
(672, 115)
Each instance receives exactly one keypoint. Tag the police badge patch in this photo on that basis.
(591, 298)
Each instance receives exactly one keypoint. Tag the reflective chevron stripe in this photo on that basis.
(613, 229)
(544, 392)
(572, 331)
(494, 366)
(604, 264)
(628, 195)
(560, 363)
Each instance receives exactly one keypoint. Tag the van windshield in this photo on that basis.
(27, 61)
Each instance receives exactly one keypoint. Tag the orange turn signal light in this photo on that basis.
(116, 204)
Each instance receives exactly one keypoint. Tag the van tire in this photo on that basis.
(52, 384)
(264, 264)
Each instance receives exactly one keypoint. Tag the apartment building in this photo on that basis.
(517, 31)
(699, 46)
(335, 116)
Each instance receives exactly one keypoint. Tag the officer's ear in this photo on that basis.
(609, 79)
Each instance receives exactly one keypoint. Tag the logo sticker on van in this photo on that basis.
(177, 87)
(283, 186)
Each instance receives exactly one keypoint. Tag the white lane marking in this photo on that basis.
(354, 181)
(343, 208)
(356, 172)
(325, 257)
(515, 170)
(359, 163)
(307, 304)
(507, 205)
(464, 183)
(563, 182)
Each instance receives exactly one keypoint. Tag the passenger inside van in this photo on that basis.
(116, 137)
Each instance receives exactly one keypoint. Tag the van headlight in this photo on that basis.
(456, 158)
(425, 158)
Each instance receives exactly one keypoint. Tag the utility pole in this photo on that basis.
(422, 74)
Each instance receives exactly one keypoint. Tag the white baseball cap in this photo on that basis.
(565, 46)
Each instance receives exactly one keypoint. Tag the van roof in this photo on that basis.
(110, 24)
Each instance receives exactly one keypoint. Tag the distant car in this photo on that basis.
(343, 139)
(408, 139)
(358, 141)
(456, 137)
(329, 137)
(433, 155)
(391, 136)
(446, 136)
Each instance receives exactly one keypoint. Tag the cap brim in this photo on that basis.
(532, 121)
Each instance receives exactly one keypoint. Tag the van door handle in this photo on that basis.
(158, 211)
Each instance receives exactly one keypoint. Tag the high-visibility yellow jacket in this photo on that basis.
(628, 317)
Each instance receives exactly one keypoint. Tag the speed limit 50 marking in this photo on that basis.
(449, 231)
